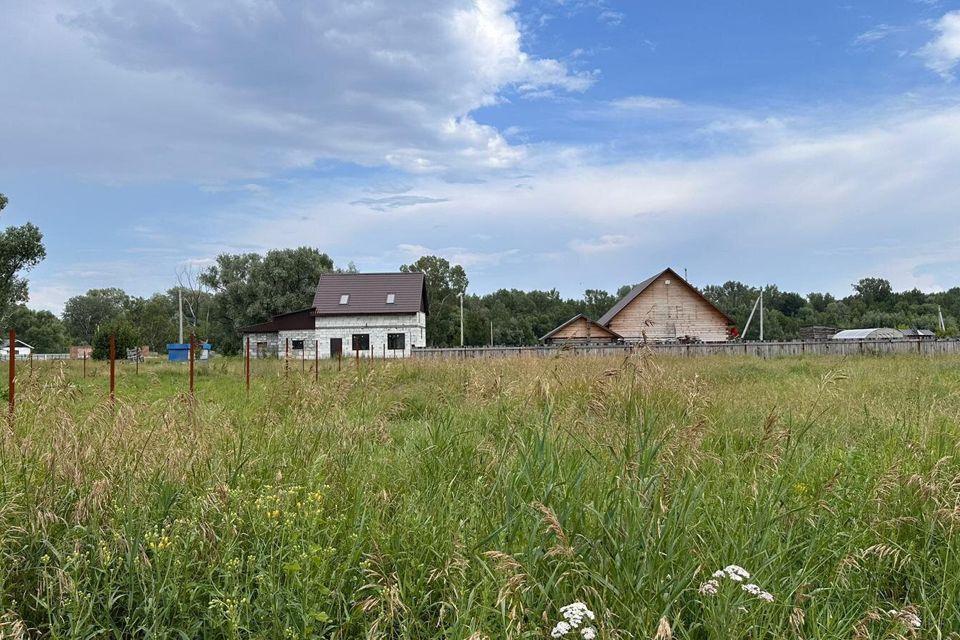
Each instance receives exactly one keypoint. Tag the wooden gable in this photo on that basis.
(580, 328)
(667, 307)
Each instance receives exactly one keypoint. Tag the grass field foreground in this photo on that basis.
(713, 498)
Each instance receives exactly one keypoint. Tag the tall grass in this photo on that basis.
(475, 499)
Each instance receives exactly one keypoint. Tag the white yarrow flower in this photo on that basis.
(588, 633)
(560, 630)
(710, 587)
(736, 573)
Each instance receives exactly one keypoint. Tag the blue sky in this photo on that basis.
(564, 144)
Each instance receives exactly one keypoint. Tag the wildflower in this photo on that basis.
(736, 573)
(754, 590)
(709, 587)
(801, 489)
(908, 618)
(574, 615)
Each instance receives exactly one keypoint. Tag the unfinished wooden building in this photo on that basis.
(663, 308)
(581, 330)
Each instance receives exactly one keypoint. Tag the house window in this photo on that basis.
(396, 341)
(298, 345)
(345, 298)
(391, 298)
(262, 349)
(361, 342)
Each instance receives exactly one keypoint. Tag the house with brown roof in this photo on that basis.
(662, 308)
(363, 314)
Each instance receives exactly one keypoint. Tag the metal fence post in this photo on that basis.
(11, 354)
(113, 375)
(191, 365)
(316, 360)
(247, 365)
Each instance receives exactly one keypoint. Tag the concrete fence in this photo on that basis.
(756, 349)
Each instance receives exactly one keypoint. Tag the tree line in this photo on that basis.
(248, 288)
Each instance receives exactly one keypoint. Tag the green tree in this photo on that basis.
(156, 318)
(597, 302)
(84, 313)
(40, 329)
(21, 249)
(445, 282)
(873, 291)
(249, 288)
(127, 337)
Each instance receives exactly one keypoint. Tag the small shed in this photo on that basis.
(919, 334)
(581, 330)
(20, 348)
(868, 334)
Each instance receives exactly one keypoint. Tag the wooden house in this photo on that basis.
(663, 308)
(581, 330)
(666, 308)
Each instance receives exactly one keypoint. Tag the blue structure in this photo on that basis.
(178, 352)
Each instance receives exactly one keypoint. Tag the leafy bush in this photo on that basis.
(127, 338)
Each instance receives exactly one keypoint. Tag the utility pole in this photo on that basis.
(761, 314)
(940, 313)
(180, 295)
(461, 319)
(491, 333)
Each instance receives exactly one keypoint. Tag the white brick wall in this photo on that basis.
(413, 326)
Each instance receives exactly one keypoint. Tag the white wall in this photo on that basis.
(413, 326)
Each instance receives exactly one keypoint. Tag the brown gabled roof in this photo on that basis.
(368, 294)
(578, 317)
(302, 319)
(640, 288)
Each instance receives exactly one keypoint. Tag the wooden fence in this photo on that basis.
(756, 349)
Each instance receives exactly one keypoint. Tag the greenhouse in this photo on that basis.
(868, 334)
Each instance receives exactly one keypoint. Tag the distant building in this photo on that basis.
(663, 308)
(868, 334)
(363, 314)
(919, 334)
(20, 348)
(817, 334)
(581, 330)
(81, 351)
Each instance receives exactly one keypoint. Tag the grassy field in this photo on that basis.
(475, 499)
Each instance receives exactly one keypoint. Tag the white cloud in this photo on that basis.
(465, 257)
(943, 53)
(874, 35)
(633, 103)
(604, 244)
(774, 204)
(221, 89)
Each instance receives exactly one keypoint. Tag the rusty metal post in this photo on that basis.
(113, 373)
(339, 361)
(286, 358)
(191, 365)
(12, 355)
(316, 360)
(303, 358)
(247, 368)
(84, 364)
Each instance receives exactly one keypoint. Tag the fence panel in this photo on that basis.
(753, 349)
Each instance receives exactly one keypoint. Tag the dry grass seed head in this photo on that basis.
(664, 632)
(562, 547)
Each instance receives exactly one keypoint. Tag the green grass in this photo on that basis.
(474, 499)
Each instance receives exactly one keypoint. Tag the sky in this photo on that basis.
(550, 144)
